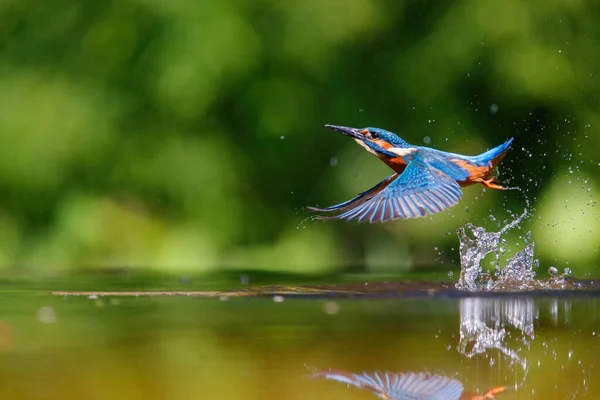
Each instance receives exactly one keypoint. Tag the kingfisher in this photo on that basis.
(425, 180)
(408, 385)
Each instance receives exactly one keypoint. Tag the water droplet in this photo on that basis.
(332, 307)
(427, 140)
(46, 315)
(282, 137)
(494, 108)
(333, 161)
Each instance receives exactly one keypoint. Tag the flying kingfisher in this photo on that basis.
(425, 180)
(408, 385)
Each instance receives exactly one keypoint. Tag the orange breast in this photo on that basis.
(397, 163)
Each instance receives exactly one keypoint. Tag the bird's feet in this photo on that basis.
(491, 394)
(491, 183)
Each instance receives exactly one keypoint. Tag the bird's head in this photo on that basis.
(377, 141)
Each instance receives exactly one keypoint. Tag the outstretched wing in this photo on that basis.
(410, 386)
(360, 199)
(420, 190)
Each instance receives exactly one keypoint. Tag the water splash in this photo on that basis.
(519, 272)
(302, 224)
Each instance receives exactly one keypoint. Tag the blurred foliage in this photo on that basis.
(188, 135)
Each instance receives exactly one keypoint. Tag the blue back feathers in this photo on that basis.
(488, 156)
(437, 160)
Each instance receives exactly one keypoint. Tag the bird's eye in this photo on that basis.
(374, 135)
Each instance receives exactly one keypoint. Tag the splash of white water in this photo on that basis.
(519, 272)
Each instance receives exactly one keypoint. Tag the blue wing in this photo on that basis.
(361, 198)
(420, 190)
(406, 386)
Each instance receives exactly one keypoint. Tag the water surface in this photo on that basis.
(224, 347)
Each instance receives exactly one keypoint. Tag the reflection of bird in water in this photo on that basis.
(426, 181)
(408, 386)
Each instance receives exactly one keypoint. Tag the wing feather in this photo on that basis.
(409, 386)
(420, 190)
(360, 199)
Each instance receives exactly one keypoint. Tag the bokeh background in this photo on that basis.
(187, 136)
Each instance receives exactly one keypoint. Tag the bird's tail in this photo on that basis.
(494, 155)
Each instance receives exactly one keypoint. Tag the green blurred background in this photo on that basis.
(187, 136)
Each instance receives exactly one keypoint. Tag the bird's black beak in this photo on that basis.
(352, 132)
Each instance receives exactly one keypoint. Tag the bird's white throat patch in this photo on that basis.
(401, 151)
(367, 148)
